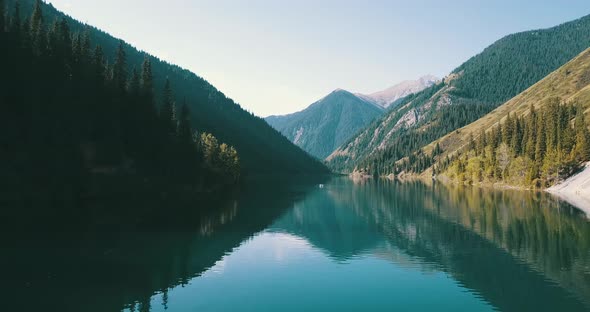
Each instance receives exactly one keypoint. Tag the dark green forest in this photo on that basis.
(500, 72)
(262, 149)
(533, 150)
(68, 113)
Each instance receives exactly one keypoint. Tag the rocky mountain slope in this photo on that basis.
(392, 95)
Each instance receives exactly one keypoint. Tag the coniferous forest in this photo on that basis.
(67, 113)
(535, 150)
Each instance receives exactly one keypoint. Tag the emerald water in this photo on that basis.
(341, 246)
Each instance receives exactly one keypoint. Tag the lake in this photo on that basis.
(342, 245)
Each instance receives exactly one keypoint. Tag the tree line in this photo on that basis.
(67, 112)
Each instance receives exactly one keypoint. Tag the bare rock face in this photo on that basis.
(392, 95)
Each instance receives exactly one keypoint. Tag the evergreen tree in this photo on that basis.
(167, 110)
(517, 135)
(471, 145)
(551, 120)
(36, 29)
(481, 142)
(540, 146)
(134, 86)
(582, 137)
(15, 22)
(98, 66)
(2, 17)
(120, 67)
(507, 130)
(147, 81)
(85, 48)
(496, 136)
(184, 127)
(65, 40)
(531, 131)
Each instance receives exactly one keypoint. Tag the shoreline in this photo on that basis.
(574, 190)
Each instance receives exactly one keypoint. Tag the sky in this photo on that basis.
(280, 56)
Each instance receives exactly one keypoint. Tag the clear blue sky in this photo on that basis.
(279, 56)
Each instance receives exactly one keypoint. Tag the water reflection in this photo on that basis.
(405, 245)
(114, 270)
(519, 250)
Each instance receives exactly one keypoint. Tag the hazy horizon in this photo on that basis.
(275, 58)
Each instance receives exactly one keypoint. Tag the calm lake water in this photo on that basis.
(340, 246)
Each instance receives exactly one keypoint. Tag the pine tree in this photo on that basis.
(36, 29)
(507, 130)
(540, 147)
(15, 22)
(37, 16)
(582, 137)
(25, 36)
(184, 127)
(471, 145)
(98, 66)
(531, 130)
(517, 137)
(77, 47)
(134, 86)
(167, 113)
(551, 119)
(481, 142)
(147, 80)
(496, 136)
(120, 67)
(65, 39)
(86, 45)
(2, 17)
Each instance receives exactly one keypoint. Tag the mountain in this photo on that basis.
(261, 148)
(535, 138)
(327, 123)
(498, 73)
(392, 95)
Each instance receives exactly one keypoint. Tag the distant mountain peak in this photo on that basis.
(339, 91)
(326, 124)
(399, 91)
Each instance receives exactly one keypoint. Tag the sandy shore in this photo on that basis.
(575, 190)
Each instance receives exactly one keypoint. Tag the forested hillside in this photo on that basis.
(475, 88)
(261, 148)
(327, 123)
(533, 140)
(66, 114)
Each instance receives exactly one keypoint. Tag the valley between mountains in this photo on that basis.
(514, 115)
